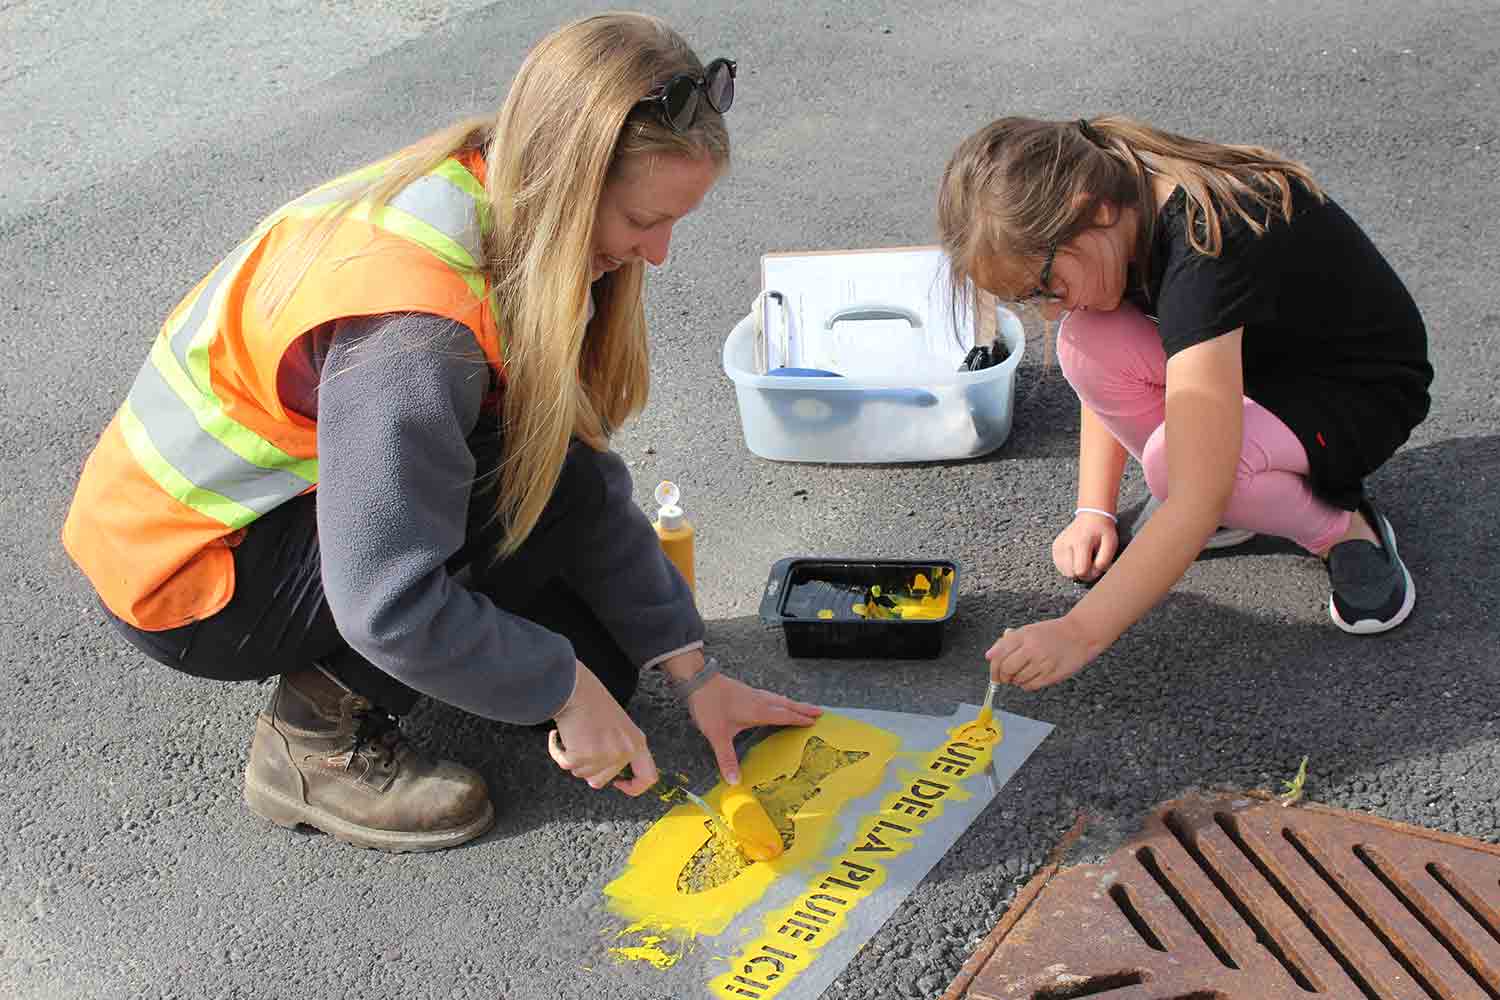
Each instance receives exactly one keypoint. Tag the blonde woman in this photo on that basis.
(368, 454)
(1226, 324)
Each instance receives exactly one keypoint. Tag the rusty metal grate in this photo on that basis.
(1242, 899)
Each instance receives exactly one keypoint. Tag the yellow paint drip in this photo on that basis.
(649, 947)
(681, 879)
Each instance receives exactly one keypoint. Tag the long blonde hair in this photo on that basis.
(1020, 186)
(568, 125)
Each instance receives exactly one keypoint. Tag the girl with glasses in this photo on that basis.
(369, 453)
(1226, 324)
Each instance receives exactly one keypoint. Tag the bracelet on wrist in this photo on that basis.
(685, 688)
(1097, 510)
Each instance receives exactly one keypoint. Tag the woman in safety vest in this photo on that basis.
(368, 453)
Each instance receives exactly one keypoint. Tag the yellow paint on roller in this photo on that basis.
(681, 880)
(752, 825)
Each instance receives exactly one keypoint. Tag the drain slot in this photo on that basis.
(1278, 949)
(1444, 934)
(1232, 831)
(1128, 909)
(1466, 898)
(1362, 911)
(1182, 910)
(1147, 857)
(1091, 987)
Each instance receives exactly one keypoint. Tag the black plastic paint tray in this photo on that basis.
(861, 608)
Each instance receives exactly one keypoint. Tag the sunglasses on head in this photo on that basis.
(677, 101)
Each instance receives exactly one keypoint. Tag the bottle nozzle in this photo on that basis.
(667, 494)
(669, 515)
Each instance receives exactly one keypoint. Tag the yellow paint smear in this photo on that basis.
(683, 878)
(649, 947)
(795, 934)
(984, 729)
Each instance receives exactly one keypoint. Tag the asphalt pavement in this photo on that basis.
(144, 140)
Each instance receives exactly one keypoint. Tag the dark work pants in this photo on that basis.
(278, 620)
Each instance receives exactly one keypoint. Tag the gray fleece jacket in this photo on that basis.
(395, 400)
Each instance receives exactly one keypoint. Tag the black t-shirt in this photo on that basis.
(1333, 343)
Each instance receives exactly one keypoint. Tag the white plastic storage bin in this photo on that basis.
(874, 419)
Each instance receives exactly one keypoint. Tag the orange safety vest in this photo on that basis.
(203, 444)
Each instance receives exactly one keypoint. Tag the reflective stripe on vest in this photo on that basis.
(175, 425)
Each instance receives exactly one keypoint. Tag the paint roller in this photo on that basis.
(751, 824)
(744, 821)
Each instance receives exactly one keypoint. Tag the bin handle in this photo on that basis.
(862, 312)
(771, 597)
(911, 397)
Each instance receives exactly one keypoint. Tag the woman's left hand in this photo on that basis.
(1039, 655)
(724, 707)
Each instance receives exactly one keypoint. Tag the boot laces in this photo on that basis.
(376, 732)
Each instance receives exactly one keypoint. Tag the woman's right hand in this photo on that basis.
(1086, 547)
(595, 740)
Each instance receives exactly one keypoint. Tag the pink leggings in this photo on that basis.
(1116, 364)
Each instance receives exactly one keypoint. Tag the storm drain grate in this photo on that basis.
(1242, 899)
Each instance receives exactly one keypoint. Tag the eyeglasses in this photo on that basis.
(678, 100)
(1041, 294)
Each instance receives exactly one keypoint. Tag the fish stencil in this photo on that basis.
(716, 863)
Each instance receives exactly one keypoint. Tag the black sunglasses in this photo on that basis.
(678, 100)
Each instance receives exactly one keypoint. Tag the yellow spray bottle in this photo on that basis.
(673, 529)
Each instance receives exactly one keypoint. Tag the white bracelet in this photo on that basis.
(1096, 510)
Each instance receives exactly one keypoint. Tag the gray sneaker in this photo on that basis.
(1371, 589)
(1224, 538)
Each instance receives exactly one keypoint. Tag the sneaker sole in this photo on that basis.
(1223, 538)
(1369, 626)
(1227, 538)
(270, 804)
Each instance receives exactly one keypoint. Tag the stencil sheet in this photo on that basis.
(866, 803)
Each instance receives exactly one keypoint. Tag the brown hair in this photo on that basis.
(569, 123)
(1020, 186)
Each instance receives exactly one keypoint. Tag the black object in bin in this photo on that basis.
(842, 583)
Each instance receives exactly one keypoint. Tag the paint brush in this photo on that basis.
(719, 825)
(986, 719)
(671, 791)
(987, 710)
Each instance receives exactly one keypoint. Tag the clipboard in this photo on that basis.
(878, 311)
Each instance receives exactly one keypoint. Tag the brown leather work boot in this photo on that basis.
(324, 756)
